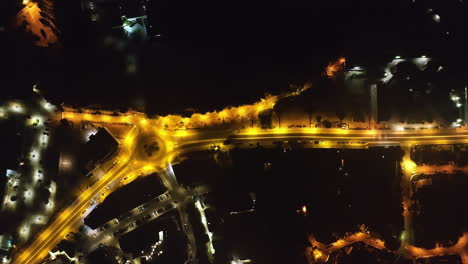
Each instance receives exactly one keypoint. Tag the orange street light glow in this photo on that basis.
(128, 140)
(409, 165)
(280, 130)
(173, 144)
(182, 133)
(148, 168)
(317, 254)
(106, 118)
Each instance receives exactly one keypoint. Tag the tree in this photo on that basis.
(340, 113)
(280, 107)
(318, 118)
(327, 123)
(310, 109)
(265, 117)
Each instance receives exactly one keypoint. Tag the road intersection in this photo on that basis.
(131, 161)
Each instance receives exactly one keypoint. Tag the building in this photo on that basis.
(101, 147)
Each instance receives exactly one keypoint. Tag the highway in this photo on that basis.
(131, 162)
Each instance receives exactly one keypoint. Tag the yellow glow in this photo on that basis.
(280, 130)
(253, 131)
(144, 122)
(260, 107)
(182, 133)
(68, 115)
(343, 131)
(31, 15)
(312, 130)
(148, 168)
(317, 254)
(106, 118)
(128, 140)
(333, 68)
(170, 145)
(409, 165)
(161, 132)
(371, 132)
(304, 209)
(125, 119)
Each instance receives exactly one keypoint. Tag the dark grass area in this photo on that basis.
(340, 196)
(442, 212)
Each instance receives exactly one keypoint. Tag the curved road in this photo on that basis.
(175, 143)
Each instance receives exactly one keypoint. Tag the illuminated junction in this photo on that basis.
(176, 135)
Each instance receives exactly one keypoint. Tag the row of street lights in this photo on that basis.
(457, 100)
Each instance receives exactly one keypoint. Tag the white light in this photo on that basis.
(34, 155)
(16, 108)
(436, 18)
(459, 120)
(88, 133)
(44, 139)
(397, 57)
(128, 29)
(66, 163)
(400, 128)
(47, 105)
(36, 120)
(459, 105)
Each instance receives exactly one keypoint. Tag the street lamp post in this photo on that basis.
(456, 99)
(466, 106)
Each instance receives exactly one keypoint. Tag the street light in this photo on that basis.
(456, 99)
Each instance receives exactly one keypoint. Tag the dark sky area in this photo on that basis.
(217, 53)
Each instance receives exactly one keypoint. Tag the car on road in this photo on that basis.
(147, 217)
(119, 232)
(125, 216)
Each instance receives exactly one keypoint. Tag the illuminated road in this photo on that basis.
(131, 161)
(68, 220)
(319, 252)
